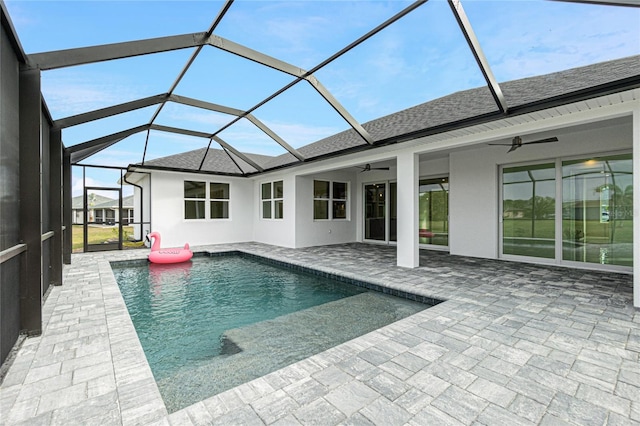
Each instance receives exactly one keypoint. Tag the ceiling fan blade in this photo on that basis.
(513, 148)
(379, 168)
(554, 139)
(501, 144)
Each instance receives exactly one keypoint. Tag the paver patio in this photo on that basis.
(512, 344)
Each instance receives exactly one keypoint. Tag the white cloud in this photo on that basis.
(77, 187)
(74, 93)
(541, 38)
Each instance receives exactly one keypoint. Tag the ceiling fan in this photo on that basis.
(367, 168)
(517, 142)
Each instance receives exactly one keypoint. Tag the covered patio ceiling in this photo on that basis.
(265, 79)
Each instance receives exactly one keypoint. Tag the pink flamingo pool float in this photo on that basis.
(171, 255)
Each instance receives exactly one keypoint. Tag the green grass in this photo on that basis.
(98, 235)
(595, 231)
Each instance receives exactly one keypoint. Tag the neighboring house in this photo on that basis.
(77, 206)
(349, 191)
(108, 211)
(103, 209)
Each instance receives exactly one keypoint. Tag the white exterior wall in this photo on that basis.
(474, 197)
(310, 232)
(434, 168)
(279, 232)
(407, 212)
(167, 211)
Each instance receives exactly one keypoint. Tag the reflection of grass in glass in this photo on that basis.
(438, 240)
(98, 235)
(436, 227)
(597, 232)
(521, 228)
(514, 228)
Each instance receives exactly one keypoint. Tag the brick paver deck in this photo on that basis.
(513, 344)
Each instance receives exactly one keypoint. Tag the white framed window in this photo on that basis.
(272, 197)
(330, 200)
(195, 193)
(218, 200)
(197, 199)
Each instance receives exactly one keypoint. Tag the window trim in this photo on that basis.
(272, 200)
(331, 199)
(222, 200)
(207, 202)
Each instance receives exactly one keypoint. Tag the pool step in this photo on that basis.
(258, 349)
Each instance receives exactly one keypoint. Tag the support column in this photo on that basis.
(636, 207)
(30, 111)
(408, 254)
(55, 199)
(66, 209)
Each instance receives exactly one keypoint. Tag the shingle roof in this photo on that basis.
(77, 203)
(217, 160)
(99, 201)
(127, 202)
(447, 110)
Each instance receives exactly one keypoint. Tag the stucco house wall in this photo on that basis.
(167, 212)
(280, 232)
(310, 232)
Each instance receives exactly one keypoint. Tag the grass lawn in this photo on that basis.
(621, 231)
(100, 234)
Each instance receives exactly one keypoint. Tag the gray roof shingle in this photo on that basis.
(448, 110)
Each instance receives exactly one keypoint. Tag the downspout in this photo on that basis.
(141, 205)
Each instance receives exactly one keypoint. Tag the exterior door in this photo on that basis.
(571, 212)
(375, 211)
(597, 206)
(381, 212)
(102, 225)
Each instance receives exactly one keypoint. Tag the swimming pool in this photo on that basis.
(214, 323)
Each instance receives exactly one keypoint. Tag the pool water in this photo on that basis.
(214, 323)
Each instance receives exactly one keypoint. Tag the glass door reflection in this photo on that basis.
(597, 206)
(374, 212)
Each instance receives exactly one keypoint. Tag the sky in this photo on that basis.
(421, 57)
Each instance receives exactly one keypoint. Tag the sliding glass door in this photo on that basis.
(375, 211)
(597, 210)
(434, 211)
(528, 210)
(381, 212)
(572, 211)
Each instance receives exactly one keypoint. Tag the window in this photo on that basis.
(196, 200)
(273, 200)
(219, 204)
(330, 200)
(194, 195)
(128, 216)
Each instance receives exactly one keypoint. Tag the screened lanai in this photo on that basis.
(244, 88)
